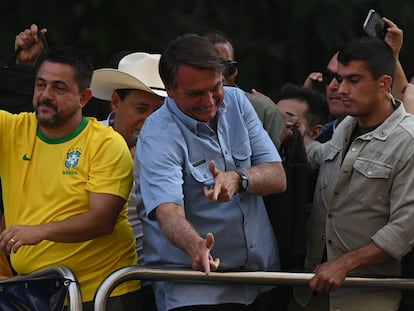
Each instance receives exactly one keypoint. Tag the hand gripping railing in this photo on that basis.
(75, 296)
(257, 278)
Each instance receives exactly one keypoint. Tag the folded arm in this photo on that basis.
(98, 220)
(264, 179)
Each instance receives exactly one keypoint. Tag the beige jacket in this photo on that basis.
(369, 195)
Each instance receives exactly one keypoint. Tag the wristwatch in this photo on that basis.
(243, 181)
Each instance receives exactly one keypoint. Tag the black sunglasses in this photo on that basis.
(230, 67)
(328, 76)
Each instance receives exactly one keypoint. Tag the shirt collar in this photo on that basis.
(192, 124)
(381, 132)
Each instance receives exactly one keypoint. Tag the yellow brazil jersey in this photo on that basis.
(48, 180)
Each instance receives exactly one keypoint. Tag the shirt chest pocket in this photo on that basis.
(233, 158)
(370, 182)
(242, 156)
(372, 169)
(201, 173)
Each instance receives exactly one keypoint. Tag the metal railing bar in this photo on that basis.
(75, 296)
(256, 278)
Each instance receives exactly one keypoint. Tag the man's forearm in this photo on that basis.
(267, 178)
(76, 229)
(330, 275)
(408, 98)
(98, 220)
(368, 254)
(400, 82)
(176, 228)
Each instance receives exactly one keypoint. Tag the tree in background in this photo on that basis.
(275, 40)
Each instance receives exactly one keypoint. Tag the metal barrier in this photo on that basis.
(256, 278)
(75, 296)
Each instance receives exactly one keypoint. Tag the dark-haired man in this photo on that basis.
(363, 207)
(66, 180)
(204, 161)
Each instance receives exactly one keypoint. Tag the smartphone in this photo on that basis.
(374, 25)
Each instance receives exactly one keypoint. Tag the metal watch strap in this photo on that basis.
(243, 181)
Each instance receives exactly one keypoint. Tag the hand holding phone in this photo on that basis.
(374, 25)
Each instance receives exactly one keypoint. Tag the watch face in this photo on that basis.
(244, 182)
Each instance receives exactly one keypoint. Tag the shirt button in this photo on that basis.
(323, 238)
(346, 171)
(369, 173)
(353, 149)
(225, 152)
(329, 241)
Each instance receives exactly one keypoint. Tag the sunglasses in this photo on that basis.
(230, 67)
(328, 76)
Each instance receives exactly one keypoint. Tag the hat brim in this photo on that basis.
(106, 81)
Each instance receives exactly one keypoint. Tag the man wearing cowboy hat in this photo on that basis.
(135, 90)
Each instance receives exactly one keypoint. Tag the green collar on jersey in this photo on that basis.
(75, 133)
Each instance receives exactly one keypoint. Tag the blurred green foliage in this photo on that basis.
(275, 40)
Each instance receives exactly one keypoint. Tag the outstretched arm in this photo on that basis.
(180, 232)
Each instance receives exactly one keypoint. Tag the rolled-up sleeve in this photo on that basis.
(397, 236)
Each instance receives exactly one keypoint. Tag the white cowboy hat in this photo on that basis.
(135, 71)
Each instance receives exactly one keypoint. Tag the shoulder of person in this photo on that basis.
(101, 131)
(408, 123)
(259, 99)
(234, 96)
(232, 91)
(25, 121)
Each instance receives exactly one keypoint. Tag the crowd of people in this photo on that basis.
(189, 171)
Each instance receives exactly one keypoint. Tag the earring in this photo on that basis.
(111, 118)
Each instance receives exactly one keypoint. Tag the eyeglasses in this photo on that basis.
(328, 76)
(230, 67)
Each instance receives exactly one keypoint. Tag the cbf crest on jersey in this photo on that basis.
(72, 160)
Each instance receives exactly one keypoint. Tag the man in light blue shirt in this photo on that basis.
(204, 161)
